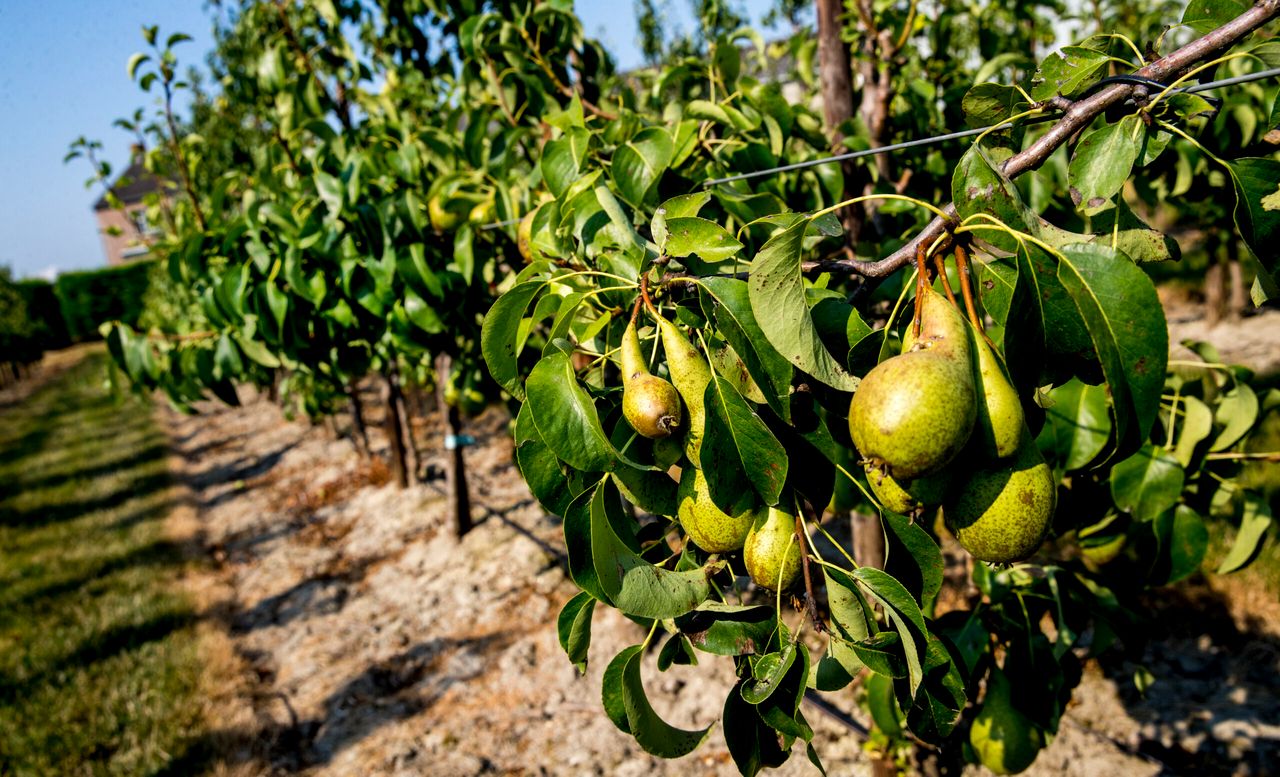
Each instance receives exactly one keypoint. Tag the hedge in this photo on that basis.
(91, 297)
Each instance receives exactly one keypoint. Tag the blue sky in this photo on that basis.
(62, 75)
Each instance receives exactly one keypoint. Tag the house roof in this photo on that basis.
(131, 186)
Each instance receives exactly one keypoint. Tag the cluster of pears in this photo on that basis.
(657, 409)
(941, 425)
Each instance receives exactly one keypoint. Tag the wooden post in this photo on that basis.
(455, 465)
(391, 399)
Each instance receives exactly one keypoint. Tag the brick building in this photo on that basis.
(126, 235)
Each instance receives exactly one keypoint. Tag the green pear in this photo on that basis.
(710, 528)
(1003, 510)
(913, 496)
(649, 403)
(998, 428)
(690, 373)
(914, 412)
(771, 552)
(1006, 741)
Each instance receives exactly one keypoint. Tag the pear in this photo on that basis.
(771, 552)
(710, 528)
(1006, 741)
(649, 403)
(524, 238)
(914, 412)
(690, 374)
(1004, 508)
(913, 496)
(998, 428)
(442, 219)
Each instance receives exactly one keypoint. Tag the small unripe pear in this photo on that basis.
(913, 496)
(690, 373)
(914, 412)
(649, 403)
(1006, 741)
(710, 528)
(1003, 510)
(998, 427)
(771, 552)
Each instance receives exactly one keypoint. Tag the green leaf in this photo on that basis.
(539, 466)
(1204, 16)
(499, 334)
(752, 743)
(1257, 216)
(684, 206)
(632, 584)
(1068, 72)
(1147, 483)
(1076, 425)
(736, 322)
(1102, 162)
(777, 293)
(563, 159)
(574, 628)
(135, 61)
(709, 241)
(913, 558)
(566, 417)
(737, 441)
(768, 672)
(1237, 413)
(578, 546)
(937, 705)
(728, 630)
(987, 104)
(903, 611)
(1183, 539)
(625, 703)
(1196, 424)
(1126, 323)
(1253, 528)
(638, 165)
(978, 186)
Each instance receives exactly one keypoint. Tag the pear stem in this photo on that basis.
(941, 264)
(635, 310)
(966, 287)
(644, 294)
(922, 283)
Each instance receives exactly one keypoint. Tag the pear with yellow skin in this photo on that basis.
(771, 552)
(1005, 741)
(914, 412)
(1003, 509)
(649, 403)
(710, 528)
(691, 374)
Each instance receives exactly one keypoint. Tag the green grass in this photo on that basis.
(99, 668)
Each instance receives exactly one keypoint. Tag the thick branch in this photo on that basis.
(1079, 116)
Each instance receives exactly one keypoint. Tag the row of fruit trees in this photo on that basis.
(951, 341)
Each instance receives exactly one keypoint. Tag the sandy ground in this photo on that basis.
(369, 641)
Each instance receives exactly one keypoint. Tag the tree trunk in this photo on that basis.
(455, 466)
(836, 79)
(1238, 293)
(391, 399)
(414, 458)
(359, 433)
(1215, 302)
(868, 540)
